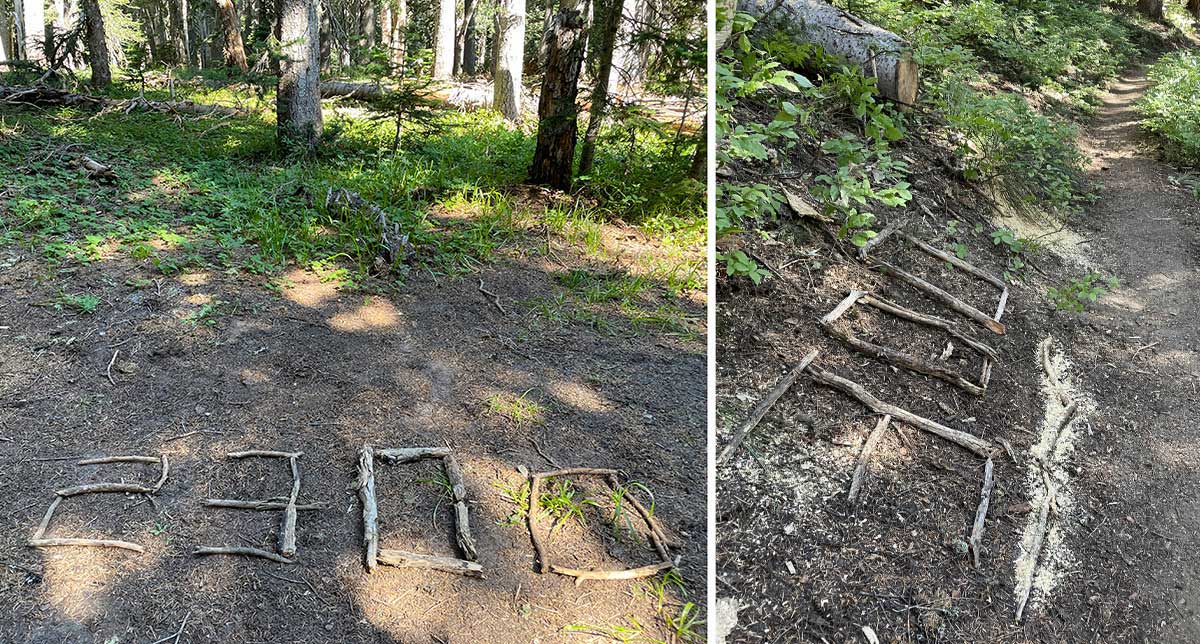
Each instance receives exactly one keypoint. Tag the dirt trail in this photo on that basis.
(1141, 462)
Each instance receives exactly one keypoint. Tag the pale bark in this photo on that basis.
(33, 16)
(6, 40)
(879, 53)
(610, 13)
(366, 25)
(629, 59)
(509, 59)
(97, 43)
(399, 50)
(558, 127)
(235, 52)
(298, 92)
(443, 41)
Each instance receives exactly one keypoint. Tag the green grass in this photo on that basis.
(520, 410)
(213, 193)
(564, 502)
(1171, 106)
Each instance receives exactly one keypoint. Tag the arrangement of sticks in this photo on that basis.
(286, 542)
(906, 360)
(657, 537)
(373, 555)
(39, 539)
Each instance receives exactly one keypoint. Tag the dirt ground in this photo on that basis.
(803, 565)
(207, 363)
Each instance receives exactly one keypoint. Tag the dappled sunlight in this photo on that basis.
(579, 395)
(305, 289)
(378, 314)
(194, 279)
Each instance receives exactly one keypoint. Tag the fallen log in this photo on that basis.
(43, 96)
(879, 53)
(611, 575)
(370, 510)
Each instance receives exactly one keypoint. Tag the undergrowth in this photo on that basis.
(211, 193)
(1171, 106)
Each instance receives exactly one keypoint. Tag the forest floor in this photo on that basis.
(172, 342)
(800, 563)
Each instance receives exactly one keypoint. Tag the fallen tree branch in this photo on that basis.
(495, 298)
(239, 504)
(462, 524)
(264, 454)
(929, 320)
(397, 455)
(985, 498)
(87, 543)
(287, 530)
(946, 298)
(609, 575)
(905, 360)
(764, 406)
(240, 550)
(860, 470)
(854, 390)
(370, 510)
(402, 559)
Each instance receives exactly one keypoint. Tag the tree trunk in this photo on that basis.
(34, 21)
(6, 41)
(235, 52)
(325, 34)
(401, 27)
(443, 41)
(610, 15)
(175, 29)
(97, 43)
(387, 31)
(463, 35)
(877, 52)
(185, 31)
(509, 58)
(699, 167)
(298, 92)
(470, 65)
(1151, 8)
(629, 59)
(1193, 7)
(366, 25)
(563, 44)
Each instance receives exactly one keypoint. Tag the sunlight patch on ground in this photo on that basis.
(199, 299)
(377, 314)
(305, 289)
(578, 395)
(1055, 237)
(194, 279)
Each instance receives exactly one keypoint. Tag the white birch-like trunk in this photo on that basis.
(443, 42)
(510, 59)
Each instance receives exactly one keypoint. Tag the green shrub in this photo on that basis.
(1172, 106)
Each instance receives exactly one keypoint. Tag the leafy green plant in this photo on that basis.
(1018, 249)
(739, 263)
(519, 409)
(82, 303)
(622, 518)
(1077, 294)
(1171, 106)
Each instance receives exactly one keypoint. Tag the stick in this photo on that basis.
(1001, 305)
(869, 446)
(946, 298)
(175, 636)
(162, 477)
(370, 511)
(287, 531)
(764, 406)
(103, 488)
(120, 459)
(985, 498)
(1035, 551)
(657, 538)
(877, 240)
(41, 529)
(402, 559)
(495, 298)
(397, 455)
(265, 454)
(239, 504)
(462, 524)
(930, 320)
(543, 562)
(843, 306)
(853, 389)
(901, 359)
(240, 550)
(629, 573)
(87, 543)
(108, 371)
(957, 262)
